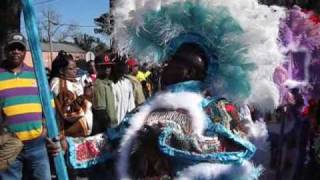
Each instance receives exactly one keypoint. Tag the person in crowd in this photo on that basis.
(88, 75)
(74, 109)
(155, 78)
(21, 111)
(92, 70)
(137, 87)
(55, 65)
(113, 93)
(113, 98)
(103, 98)
(143, 75)
(122, 88)
(143, 72)
(289, 132)
(189, 130)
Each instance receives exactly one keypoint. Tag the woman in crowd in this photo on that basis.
(73, 107)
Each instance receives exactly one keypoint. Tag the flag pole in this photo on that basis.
(45, 95)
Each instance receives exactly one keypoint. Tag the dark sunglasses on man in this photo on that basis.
(16, 46)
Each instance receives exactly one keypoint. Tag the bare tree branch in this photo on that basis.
(51, 26)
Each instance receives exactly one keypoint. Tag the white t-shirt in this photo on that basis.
(123, 97)
(74, 87)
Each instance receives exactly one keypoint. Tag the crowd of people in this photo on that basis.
(87, 101)
(109, 87)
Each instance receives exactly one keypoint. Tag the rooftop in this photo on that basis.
(56, 47)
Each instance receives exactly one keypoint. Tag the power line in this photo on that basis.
(43, 2)
(65, 24)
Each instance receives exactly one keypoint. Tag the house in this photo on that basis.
(70, 48)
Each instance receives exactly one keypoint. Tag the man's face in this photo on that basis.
(107, 71)
(173, 72)
(16, 53)
(92, 68)
(134, 69)
(104, 71)
(179, 70)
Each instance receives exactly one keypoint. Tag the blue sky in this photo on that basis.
(81, 12)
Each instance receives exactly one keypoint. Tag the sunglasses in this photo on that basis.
(18, 47)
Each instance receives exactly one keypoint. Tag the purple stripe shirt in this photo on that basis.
(24, 68)
(23, 118)
(25, 91)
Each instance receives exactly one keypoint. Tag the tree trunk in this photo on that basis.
(10, 11)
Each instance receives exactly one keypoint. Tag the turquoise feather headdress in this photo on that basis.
(152, 30)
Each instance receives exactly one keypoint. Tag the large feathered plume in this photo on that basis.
(239, 37)
(300, 41)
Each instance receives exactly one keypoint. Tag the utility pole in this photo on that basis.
(51, 25)
(49, 37)
(111, 21)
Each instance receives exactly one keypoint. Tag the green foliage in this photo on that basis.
(105, 23)
(89, 43)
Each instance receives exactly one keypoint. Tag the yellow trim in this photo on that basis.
(14, 83)
(22, 109)
(53, 104)
(29, 135)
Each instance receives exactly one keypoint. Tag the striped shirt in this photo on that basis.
(20, 103)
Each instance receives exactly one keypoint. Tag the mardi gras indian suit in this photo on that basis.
(180, 132)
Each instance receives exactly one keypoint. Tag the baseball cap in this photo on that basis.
(16, 38)
(132, 62)
(103, 60)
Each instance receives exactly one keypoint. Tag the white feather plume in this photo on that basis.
(259, 22)
(291, 84)
(185, 100)
(208, 171)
